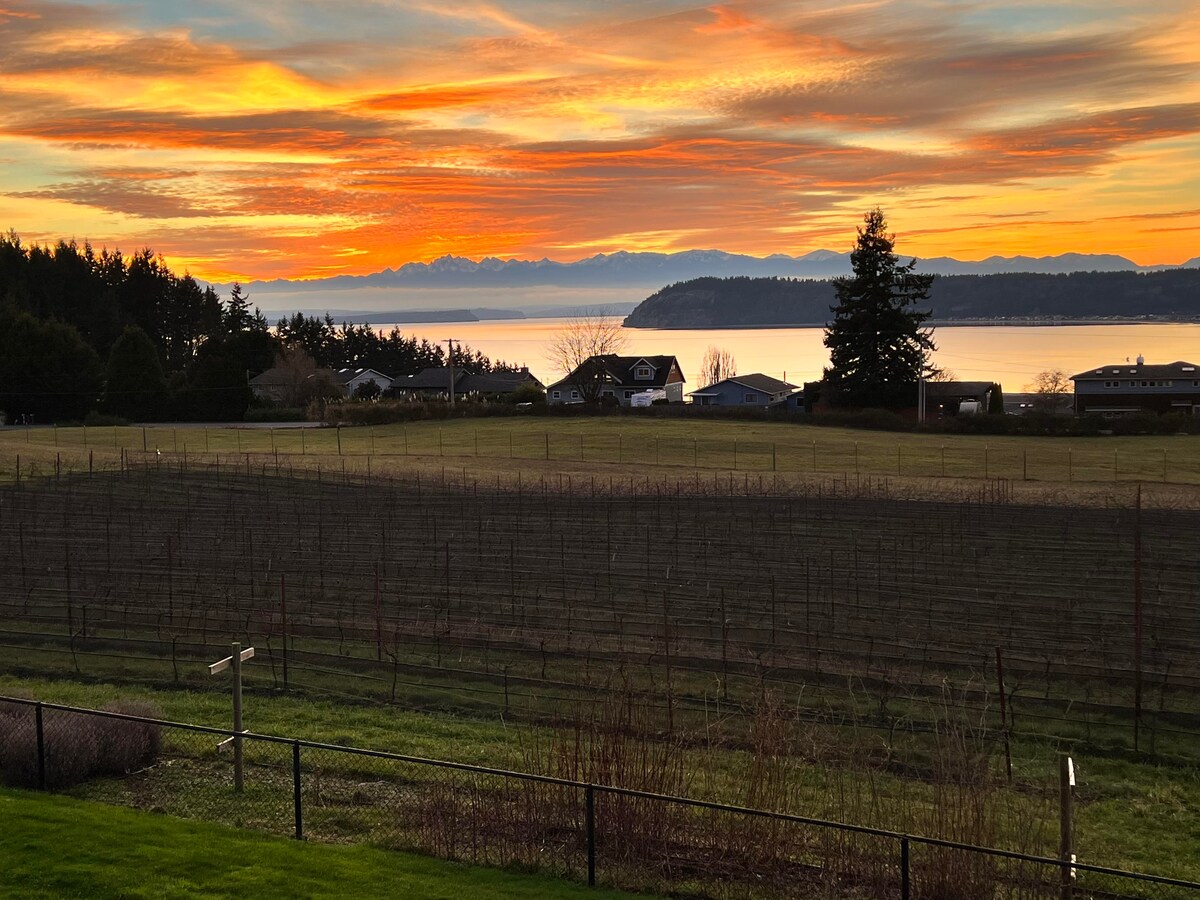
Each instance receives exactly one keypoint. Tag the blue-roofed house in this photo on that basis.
(755, 390)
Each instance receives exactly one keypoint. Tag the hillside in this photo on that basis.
(757, 302)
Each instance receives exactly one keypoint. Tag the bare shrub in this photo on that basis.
(125, 746)
(76, 746)
(72, 748)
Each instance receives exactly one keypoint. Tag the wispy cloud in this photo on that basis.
(278, 139)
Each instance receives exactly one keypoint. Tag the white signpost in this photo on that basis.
(234, 661)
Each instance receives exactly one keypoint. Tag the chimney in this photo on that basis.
(1141, 360)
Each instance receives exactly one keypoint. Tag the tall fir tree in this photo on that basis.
(877, 345)
(135, 387)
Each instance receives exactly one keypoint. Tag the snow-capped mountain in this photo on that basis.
(623, 268)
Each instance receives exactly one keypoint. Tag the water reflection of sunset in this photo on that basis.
(1009, 355)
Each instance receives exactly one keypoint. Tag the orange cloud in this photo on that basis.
(725, 18)
(361, 135)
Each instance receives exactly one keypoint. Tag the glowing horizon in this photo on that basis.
(306, 139)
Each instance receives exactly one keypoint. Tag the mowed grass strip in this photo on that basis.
(54, 846)
(487, 447)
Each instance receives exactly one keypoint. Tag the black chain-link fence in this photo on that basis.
(594, 833)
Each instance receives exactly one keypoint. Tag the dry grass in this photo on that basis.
(662, 450)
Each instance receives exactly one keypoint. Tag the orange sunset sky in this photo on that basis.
(314, 137)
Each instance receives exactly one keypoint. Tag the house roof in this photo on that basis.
(756, 381)
(273, 375)
(495, 382)
(433, 378)
(1177, 369)
(620, 369)
(345, 376)
(276, 376)
(956, 388)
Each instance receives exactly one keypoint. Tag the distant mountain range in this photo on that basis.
(653, 270)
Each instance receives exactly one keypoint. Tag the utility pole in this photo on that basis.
(450, 344)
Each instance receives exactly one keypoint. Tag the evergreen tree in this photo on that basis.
(238, 316)
(47, 371)
(996, 403)
(134, 386)
(877, 347)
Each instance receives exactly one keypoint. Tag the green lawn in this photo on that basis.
(53, 846)
(1131, 815)
(616, 445)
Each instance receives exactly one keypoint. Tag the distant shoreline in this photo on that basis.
(1011, 322)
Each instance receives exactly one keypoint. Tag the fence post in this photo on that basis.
(590, 800)
(1004, 715)
(1066, 786)
(905, 886)
(297, 803)
(41, 748)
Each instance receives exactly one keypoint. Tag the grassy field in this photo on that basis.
(797, 625)
(1131, 815)
(488, 448)
(53, 846)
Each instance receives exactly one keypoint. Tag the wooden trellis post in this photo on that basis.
(1066, 792)
(234, 661)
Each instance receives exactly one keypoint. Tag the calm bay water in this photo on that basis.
(1010, 355)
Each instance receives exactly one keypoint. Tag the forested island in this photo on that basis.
(1171, 295)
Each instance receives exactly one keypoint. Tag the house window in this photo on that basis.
(555, 395)
(574, 395)
(1168, 384)
(628, 394)
(643, 372)
(752, 398)
(607, 392)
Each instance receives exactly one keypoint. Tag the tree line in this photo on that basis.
(745, 301)
(85, 331)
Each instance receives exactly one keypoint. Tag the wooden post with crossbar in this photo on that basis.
(234, 662)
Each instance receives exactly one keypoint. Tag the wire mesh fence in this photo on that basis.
(584, 832)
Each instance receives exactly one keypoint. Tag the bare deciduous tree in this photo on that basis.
(717, 365)
(579, 347)
(301, 380)
(1052, 387)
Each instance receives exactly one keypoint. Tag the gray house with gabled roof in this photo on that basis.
(350, 380)
(621, 377)
(1122, 389)
(755, 389)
